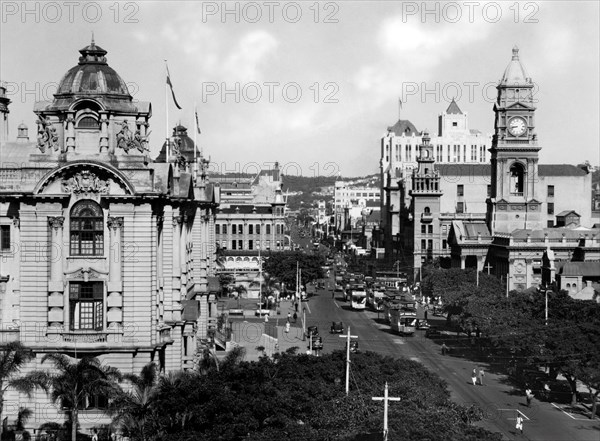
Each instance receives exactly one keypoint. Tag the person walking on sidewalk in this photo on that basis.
(425, 314)
(289, 317)
(519, 425)
(287, 327)
(481, 374)
(474, 376)
(528, 396)
(295, 317)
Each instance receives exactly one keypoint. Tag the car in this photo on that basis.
(438, 311)
(423, 324)
(337, 327)
(433, 333)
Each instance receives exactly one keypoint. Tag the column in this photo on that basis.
(104, 132)
(159, 269)
(114, 315)
(176, 295)
(183, 256)
(70, 133)
(462, 262)
(56, 300)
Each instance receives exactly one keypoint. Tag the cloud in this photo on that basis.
(244, 62)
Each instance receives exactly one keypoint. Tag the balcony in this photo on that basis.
(426, 218)
(517, 193)
(85, 337)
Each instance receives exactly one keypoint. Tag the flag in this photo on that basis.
(171, 86)
(197, 123)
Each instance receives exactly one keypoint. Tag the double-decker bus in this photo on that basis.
(404, 318)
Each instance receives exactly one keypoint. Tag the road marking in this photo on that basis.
(569, 415)
(307, 307)
(399, 342)
(336, 304)
(512, 410)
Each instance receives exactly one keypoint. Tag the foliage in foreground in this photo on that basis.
(300, 397)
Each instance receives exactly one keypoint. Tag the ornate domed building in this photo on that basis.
(104, 252)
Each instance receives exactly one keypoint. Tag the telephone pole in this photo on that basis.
(385, 400)
(348, 358)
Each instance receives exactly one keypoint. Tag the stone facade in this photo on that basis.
(109, 252)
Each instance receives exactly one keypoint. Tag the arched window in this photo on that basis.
(516, 178)
(87, 229)
(426, 210)
(88, 122)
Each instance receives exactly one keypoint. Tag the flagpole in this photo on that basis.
(195, 118)
(166, 115)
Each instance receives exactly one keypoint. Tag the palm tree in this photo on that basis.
(134, 409)
(13, 357)
(76, 381)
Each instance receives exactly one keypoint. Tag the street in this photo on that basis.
(499, 400)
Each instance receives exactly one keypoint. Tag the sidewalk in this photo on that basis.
(250, 332)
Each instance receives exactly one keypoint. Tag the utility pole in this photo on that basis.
(507, 283)
(348, 358)
(547, 306)
(385, 400)
(477, 276)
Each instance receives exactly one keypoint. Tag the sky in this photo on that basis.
(314, 85)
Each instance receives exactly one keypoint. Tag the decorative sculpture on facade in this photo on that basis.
(85, 182)
(47, 137)
(128, 140)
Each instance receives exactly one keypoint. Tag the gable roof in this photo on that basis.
(567, 212)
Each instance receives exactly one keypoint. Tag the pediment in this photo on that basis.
(84, 179)
(518, 106)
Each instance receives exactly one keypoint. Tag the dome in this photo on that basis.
(186, 148)
(515, 72)
(92, 75)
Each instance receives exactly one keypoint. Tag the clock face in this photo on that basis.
(517, 126)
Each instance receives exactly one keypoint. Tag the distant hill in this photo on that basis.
(308, 185)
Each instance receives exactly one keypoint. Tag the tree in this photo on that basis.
(75, 382)
(13, 357)
(133, 410)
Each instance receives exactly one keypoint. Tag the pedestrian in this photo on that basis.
(474, 376)
(444, 349)
(266, 318)
(481, 374)
(289, 317)
(519, 425)
(296, 306)
(295, 317)
(287, 327)
(528, 396)
(426, 314)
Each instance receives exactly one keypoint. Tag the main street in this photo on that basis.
(498, 398)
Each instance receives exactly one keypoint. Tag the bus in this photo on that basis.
(403, 319)
(359, 299)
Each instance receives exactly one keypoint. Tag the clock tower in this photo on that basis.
(514, 202)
